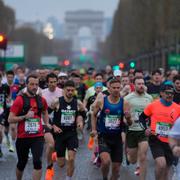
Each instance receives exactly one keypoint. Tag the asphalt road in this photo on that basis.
(84, 169)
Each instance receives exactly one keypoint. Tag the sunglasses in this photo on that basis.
(169, 92)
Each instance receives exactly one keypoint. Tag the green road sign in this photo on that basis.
(174, 61)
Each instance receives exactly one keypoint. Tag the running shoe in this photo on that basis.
(137, 171)
(49, 174)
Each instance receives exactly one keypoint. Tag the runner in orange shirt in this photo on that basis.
(163, 113)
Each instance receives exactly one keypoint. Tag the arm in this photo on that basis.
(45, 117)
(127, 114)
(97, 105)
(81, 115)
(174, 145)
(15, 119)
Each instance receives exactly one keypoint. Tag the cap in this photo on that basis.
(98, 84)
(167, 86)
(62, 74)
(117, 72)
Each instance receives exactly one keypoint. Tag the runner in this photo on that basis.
(136, 139)
(67, 118)
(26, 111)
(163, 113)
(51, 94)
(109, 129)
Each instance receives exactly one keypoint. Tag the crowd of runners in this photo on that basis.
(125, 113)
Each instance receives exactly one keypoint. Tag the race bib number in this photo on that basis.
(112, 121)
(162, 129)
(32, 126)
(67, 118)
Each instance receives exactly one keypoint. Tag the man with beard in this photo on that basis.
(68, 117)
(136, 139)
(27, 111)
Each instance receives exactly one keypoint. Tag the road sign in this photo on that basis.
(174, 61)
(49, 61)
(14, 53)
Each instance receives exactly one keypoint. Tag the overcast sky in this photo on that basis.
(30, 10)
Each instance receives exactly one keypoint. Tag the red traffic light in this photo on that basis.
(121, 65)
(66, 62)
(3, 42)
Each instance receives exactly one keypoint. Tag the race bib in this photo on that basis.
(32, 126)
(67, 118)
(1, 109)
(162, 129)
(112, 121)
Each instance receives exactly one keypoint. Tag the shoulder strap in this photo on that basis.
(39, 104)
(26, 104)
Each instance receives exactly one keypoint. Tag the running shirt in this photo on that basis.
(111, 116)
(32, 127)
(162, 118)
(65, 117)
(137, 104)
(51, 96)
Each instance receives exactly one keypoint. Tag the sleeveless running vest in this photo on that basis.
(111, 117)
(68, 113)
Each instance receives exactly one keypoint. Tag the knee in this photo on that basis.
(21, 165)
(161, 166)
(37, 165)
(50, 145)
(142, 158)
(105, 161)
(61, 163)
(116, 170)
(132, 159)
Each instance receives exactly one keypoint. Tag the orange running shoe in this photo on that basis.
(49, 174)
(54, 156)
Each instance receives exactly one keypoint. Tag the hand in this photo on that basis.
(176, 151)
(57, 129)
(30, 114)
(93, 133)
(127, 114)
(80, 126)
(148, 132)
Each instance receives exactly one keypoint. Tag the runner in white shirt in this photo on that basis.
(51, 94)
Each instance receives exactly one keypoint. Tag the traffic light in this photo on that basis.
(66, 62)
(121, 65)
(132, 64)
(3, 41)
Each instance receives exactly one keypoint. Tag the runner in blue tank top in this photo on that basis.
(109, 126)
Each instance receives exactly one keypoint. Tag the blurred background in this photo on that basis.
(75, 34)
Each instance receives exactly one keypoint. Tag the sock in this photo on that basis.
(68, 178)
(50, 166)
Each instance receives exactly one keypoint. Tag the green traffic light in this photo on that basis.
(132, 64)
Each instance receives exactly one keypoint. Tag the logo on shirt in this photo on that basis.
(68, 107)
